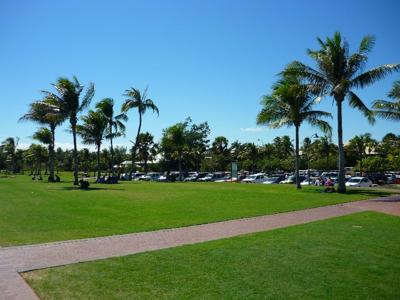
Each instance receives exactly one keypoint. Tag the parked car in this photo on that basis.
(150, 176)
(273, 180)
(292, 179)
(377, 178)
(390, 178)
(206, 178)
(312, 181)
(359, 182)
(226, 178)
(137, 175)
(255, 178)
(191, 177)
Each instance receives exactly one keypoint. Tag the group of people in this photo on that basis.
(328, 183)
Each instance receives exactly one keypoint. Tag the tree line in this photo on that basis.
(186, 146)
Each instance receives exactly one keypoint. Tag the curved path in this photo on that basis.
(39, 256)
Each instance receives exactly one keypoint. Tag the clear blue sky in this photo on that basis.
(210, 60)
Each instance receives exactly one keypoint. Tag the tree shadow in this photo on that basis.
(96, 188)
(363, 192)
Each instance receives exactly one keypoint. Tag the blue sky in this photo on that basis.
(210, 60)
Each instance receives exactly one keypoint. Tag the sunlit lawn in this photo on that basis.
(33, 211)
(351, 257)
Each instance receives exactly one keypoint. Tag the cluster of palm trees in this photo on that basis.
(337, 74)
(71, 99)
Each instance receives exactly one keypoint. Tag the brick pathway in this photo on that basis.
(26, 258)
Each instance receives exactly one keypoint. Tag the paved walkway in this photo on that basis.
(31, 257)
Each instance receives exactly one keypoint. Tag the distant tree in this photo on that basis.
(372, 164)
(338, 73)
(361, 145)
(93, 132)
(44, 136)
(174, 143)
(324, 149)
(137, 100)
(147, 149)
(46, 112)
(9, 148)
(220, 153)
(115, 125)
(197, 144)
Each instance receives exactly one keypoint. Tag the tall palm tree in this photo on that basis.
(337, 74)
(45, 112)
(137, 100)
(290, 104)
(115, 127)
(389, 109)
(71, 99)
(93, 131)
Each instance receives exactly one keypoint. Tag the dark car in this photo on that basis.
(377, 178)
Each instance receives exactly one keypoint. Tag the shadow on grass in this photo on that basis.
(364, 192)
(96, 188)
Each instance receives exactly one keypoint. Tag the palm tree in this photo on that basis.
(361, 145)
(325, 148)
(115, 127)
(137, 100)
(44, 112)
(389, 109)
(338, 73)
(44, 136)
(70, 100)
(93, 131)
(174, 142)
(291, 104)
(9, 147)
(147, 149)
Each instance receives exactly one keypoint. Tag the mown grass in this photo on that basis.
(34, 212)
(351, 257)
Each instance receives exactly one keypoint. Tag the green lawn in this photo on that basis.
(33, 212)
(351, 257)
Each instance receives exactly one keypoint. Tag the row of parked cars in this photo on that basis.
(262, 178)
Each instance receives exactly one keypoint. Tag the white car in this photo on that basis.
(359, 182)
(255, 178)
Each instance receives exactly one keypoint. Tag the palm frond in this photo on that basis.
(357, 103)
(87, 98)
(367, 44)
(374, 75)
(322, 125)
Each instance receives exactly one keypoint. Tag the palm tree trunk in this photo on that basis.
(73, 126)
(136, 143)
(341, 177)
(180, 166)
(98, 160)
(51, 153)
(297, 159)
(112, 152)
